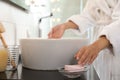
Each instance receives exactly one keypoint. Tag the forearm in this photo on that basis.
(101, 43)
(70, 25)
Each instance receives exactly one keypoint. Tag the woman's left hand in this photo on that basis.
(87, 54)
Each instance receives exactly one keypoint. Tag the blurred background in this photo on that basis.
(24, 18)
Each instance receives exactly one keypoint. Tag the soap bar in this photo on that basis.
(73, 68)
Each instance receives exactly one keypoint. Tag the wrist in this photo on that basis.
(101, 43)
(70, 25)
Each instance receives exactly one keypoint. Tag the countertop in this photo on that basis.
(22, 73)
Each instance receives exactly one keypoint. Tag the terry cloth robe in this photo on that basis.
(104, 17)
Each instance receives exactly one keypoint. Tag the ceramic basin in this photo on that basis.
(49, 54)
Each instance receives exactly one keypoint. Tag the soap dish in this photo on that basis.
(73, 74)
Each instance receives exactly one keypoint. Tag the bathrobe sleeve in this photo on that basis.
(84, 20)
(112, 33)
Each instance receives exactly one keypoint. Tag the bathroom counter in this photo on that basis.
(27, 74)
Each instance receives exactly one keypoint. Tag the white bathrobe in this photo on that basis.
(104, 16)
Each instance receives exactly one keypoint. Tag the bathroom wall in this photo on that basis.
(16, 22)
(63, 9)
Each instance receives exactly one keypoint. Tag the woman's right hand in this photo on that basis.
(57, 31)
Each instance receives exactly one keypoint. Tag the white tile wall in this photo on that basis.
(13, 17)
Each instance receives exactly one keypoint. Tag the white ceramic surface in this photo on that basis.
(49, 54)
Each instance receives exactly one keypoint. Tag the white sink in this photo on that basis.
(49, 54)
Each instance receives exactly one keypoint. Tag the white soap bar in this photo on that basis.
(73, 68)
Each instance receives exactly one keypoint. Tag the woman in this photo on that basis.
(104, 16)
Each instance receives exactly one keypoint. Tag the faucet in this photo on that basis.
(39, 21)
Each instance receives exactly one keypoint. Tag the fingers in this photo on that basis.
(54, 34)
(50, 34)
(92, 59)
(87, 59)
(84, 61)
(80, 53)
(84, 57)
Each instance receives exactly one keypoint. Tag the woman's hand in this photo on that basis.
(58, 30)
(87, 54)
